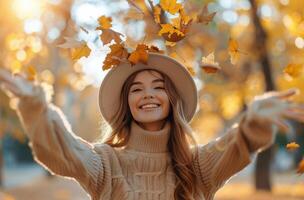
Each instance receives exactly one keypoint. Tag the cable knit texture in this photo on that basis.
(142, 170)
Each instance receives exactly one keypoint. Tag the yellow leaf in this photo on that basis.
(204, 17)
(234, 52)
(77, 53)
(300, 169)
(139, 55)
(293, 70)
(209, 65)
(114, 57)
(104, 22)
(170, 6)
(108, 35)
(31, 73)
(292, 146)
(170, 33)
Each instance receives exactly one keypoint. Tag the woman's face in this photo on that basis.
(148, 100)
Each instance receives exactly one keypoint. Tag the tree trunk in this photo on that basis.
(262, 170)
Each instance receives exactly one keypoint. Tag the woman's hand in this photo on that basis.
(18, 86)
(274, 107)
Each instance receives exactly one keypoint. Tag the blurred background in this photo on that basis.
(270, 37)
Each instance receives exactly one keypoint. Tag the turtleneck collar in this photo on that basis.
(148, 141)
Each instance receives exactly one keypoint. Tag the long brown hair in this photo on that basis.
(180, 137)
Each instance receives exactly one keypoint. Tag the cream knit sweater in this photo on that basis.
(142, 170)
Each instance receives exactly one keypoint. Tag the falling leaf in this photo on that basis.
(155, 49)
(115, 56)
(108, 35)
(31, 73)
(209, 65)
(292, 146)
(204, 17)
(139, 55)
(171, 33)
(157, 12)
(293, 70)
(104, 22)
(77, 48)
(300, 169)
(234, 52)
(170, 6)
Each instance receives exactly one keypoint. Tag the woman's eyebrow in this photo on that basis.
(154, 81)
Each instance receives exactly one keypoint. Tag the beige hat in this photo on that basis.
(110, 89)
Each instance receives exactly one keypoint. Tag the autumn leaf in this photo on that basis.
(185, 19)
(108, 35)
(170, 33)
(77, 48)
(300, 169)
(293, 70)
(104, 22)
(234, 52)
(115, 56)
(204, 17)
(139, 55)
(170, 6)
(209, 65)
(155, 49)
(292, 146)
(31, 73)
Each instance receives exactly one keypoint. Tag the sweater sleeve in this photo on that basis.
(55, 146)
(220, 159)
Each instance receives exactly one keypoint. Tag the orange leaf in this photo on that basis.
(104, 22)
(108, 35)
(157, 12)
(233, 50)
(171, 33)
(114, 57)
(204, 17)
(292, 146)
(293, 70)
(139, 55)
(78, 48)
(170, 6)
(155, 49)
(209, 65)
(300, 169)
(31, 73)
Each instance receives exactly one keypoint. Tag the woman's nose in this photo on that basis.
(148, 94)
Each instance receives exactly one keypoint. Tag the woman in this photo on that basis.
(150, 152)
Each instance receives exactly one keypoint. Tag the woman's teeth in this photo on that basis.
(149, 106)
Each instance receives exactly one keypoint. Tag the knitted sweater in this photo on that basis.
(142, 170)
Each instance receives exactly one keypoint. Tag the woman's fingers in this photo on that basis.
(294, 115)
(281, 124)
(286, 93)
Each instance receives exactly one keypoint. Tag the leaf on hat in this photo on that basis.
(234, 52)
(292, 146)
(139, 55)
(209, 65)
(77, 48)
(31, 73)
(170, 6)
(155, 49)
(108, 35)
(104, 22)
(115, 56)
(156, 13)
(171, 33)
(204, 17)
(293, 70)
(300, 169)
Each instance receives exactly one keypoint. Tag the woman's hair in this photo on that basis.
(180, 136)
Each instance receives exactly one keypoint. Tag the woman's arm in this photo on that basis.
(52, 140)
(227, 155)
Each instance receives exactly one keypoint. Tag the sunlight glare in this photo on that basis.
(27, 8)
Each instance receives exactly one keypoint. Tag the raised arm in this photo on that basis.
(227, 155)
(52, 140)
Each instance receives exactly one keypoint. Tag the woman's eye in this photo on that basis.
(135, 90)
(160, 88)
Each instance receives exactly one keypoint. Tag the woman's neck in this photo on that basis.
(153, 126)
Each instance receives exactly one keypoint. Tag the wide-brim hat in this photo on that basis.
(111, 86)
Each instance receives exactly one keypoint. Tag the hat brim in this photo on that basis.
(111, 86)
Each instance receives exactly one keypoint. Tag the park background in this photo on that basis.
(270, 38)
